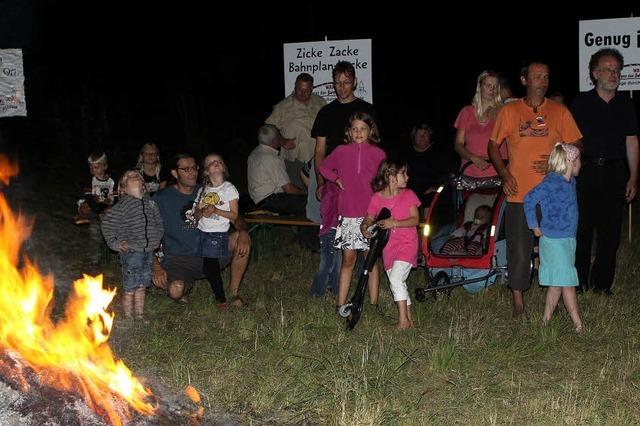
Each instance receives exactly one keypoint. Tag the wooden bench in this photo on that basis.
(261, 222)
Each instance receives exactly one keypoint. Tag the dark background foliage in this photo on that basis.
(199, 77)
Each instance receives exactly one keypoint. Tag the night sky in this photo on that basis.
(114, 75)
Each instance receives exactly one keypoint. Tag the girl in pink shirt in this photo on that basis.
(352, 167)
(401, 252)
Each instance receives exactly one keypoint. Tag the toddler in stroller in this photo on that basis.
(469, 238)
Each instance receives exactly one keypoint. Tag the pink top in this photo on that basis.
(476, 139)
(403, 242)
(356, 164)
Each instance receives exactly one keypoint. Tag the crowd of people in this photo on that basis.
(326, 162)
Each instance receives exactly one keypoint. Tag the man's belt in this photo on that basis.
(601, 161)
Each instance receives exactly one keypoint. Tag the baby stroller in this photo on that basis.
(453, 207)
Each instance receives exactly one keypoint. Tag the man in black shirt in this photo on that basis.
(609, 173)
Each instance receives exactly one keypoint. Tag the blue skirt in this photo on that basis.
(557, 262)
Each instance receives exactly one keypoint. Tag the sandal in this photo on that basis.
(237, 302)
(580, 330)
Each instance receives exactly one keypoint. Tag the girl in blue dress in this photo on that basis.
(556, 196)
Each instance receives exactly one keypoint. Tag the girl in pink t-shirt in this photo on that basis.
(401, 252)
(474, 125)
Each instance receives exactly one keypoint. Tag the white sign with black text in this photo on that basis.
(622, 34)
(318, 58)
(12, 99)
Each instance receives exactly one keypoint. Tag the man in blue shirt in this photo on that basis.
(181, 265)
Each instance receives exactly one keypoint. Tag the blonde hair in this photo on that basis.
(560, 158)
(139, 164)
(477, 101)
(97, 158)
(205, 176)
(124, 181)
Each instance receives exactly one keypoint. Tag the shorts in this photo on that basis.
(348, 234)
(214, 245)
(136, 269)
(187, 269)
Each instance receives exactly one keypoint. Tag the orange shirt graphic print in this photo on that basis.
(536, 128)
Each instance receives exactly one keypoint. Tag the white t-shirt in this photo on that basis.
(102, 189)
(226, 192)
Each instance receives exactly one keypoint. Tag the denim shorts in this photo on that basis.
(136, 269)
(214, 245)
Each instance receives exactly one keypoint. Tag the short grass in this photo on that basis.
(287, 359)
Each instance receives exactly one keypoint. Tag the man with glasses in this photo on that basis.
(329, 131)
(181, 265)
(609, 172)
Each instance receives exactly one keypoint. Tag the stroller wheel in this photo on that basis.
(439, 280)
(345, 310)
(420, 296)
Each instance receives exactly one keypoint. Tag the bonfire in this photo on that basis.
(72, 354)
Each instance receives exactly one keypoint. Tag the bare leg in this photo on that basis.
(346, 270)
(127, 303)
(518, 303)
(176, 289)
(571, 303)
(409, 315)
(374, 283)
(553, 295)
(138, 299)
(404, 319)
(239, 263)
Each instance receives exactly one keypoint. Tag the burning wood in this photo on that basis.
(71, 355)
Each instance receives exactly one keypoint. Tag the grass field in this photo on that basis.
(288, 359)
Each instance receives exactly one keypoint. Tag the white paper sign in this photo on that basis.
(622, 34)
(318, 58)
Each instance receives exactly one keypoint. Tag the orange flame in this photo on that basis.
(7, 170)
(71, 354)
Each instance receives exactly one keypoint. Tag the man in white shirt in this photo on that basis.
(269, 185)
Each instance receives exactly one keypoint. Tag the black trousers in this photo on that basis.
(601, 200)
(285, 204)
(520, 242)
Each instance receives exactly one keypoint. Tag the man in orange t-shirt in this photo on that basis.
(531, 127)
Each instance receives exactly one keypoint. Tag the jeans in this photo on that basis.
(329, 269)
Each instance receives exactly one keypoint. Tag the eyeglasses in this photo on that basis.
(189, 169)
(610, 70)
